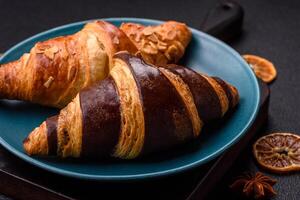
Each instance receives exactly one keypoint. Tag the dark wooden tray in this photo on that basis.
(21, 180)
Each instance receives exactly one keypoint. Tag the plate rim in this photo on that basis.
(156, 174)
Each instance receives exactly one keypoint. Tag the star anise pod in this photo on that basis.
(258, 186)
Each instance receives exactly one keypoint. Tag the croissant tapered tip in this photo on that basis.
(36, 143)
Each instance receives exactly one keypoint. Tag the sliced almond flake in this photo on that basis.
(64, 54)
(148, 31)
(172, 49)
(39, 50)
(178, 32)
(152, 45)
(132, 34)
(168, 55)
(158, 35)
(143, 42)
(137, 38)
(162, 45)
(48, 82)
(171, 52)
(101, 45)
(147, 48)
(162, 48)
(171, 35)
(116, 40)
(54, 49)
(72, 73)
(153, 38)
(41, 47)
(50, 53)
(25, 58)
(179, 45)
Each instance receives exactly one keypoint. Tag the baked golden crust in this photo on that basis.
(132, 134)
(55, 70)
(36, 143)
(114, 40)
(221, 94)
(69, 130)
(187, 98)
(235, 95)
(69, 134)
(159, 44)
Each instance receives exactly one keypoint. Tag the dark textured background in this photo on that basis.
(271, 29)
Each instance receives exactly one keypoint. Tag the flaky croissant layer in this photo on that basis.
(138, 109)
(56, 70)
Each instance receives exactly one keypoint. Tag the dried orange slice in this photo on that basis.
(278, 152)
(263, 68)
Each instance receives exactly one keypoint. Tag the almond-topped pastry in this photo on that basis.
(138, 109)
(161, 44)
(56, 70)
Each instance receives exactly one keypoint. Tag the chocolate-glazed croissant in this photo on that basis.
(138, 109)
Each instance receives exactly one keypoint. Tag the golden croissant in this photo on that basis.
(56, 70)
(138, 109)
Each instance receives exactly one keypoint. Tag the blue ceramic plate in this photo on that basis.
(205, 54)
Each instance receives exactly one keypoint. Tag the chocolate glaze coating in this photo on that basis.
(226, 89)
(167, 122)
(51, 124)
(205, 97)
(100, 107)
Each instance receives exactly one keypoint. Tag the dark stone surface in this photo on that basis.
(271, 29)
(2, 197)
